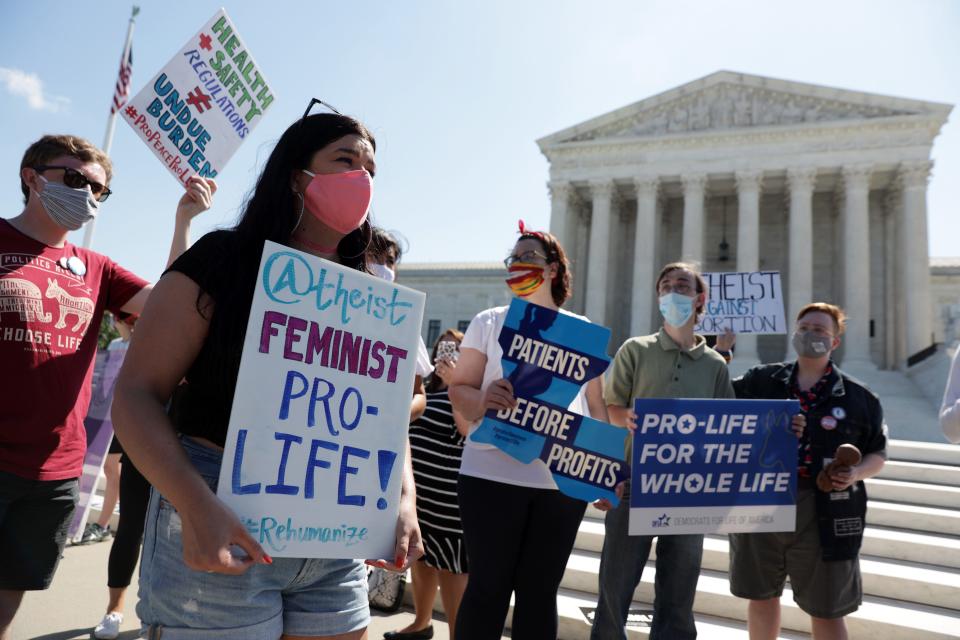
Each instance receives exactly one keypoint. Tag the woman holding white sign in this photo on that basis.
(518, 527)
(202, 573)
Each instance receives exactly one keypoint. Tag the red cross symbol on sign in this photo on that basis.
(205, 41)
(198, 99)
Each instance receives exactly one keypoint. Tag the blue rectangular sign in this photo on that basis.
(548, 356)
(713, 466)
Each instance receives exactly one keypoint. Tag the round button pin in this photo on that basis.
(76, 266)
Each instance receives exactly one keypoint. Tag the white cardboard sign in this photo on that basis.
(743, 301)
(198, 109)
(314, 456)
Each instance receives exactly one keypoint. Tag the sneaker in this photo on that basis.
(93, 532)
(109, 627)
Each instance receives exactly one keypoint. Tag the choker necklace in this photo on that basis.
(329, 251)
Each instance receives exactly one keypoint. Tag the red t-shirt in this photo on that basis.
(49, 323)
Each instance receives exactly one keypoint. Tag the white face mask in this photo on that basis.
(383, 271)
(69, 208)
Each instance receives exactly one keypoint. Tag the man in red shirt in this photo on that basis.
(52, 299)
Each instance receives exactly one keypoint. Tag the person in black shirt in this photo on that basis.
(313, 194)
(821, 555)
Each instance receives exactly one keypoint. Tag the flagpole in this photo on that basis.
(112, 120)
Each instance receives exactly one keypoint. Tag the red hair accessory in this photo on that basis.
(526, 232)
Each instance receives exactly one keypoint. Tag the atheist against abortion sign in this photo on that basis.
(313, 461)
(197, 110)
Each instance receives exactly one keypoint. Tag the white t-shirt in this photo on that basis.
(482, 460)
(424, 367)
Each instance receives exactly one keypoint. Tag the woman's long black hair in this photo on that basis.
(271, 212)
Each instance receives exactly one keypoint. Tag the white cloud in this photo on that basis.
(30, 86)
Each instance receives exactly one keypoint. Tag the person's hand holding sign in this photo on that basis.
(499, 395)
(409, 543)
(210, 531)
(197, 199)
(798, 424)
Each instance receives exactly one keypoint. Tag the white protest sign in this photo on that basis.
(743, 301)
(197, 110)
(314, 456)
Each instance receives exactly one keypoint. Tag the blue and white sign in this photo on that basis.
(548, 356)
(313, 461)
(713, 466)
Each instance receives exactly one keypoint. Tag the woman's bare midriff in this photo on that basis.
(206, 443)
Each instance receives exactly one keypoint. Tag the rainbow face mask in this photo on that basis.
(525, 279)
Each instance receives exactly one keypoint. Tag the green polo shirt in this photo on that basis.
(655, 366)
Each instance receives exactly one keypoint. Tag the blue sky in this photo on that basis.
(456, 93)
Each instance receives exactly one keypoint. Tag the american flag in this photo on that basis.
(122, 90)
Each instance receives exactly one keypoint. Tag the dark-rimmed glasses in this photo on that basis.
(526, 256)
(314, 101)
(76, 180)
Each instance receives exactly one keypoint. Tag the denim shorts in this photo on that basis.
(301, 597)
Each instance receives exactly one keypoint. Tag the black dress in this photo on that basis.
(436, 447)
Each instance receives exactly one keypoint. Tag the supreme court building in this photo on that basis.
(739, 173)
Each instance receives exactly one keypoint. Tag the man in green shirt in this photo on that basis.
(672, 363)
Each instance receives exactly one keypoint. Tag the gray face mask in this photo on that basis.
(69, 208)
(809, 345)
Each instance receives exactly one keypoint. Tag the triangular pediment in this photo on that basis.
(727, 100)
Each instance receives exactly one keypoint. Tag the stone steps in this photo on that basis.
(879, 618)
(893, 544)
(933, 585)
(913, 493)
(910, 561)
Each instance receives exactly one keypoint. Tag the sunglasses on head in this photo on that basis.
(314, 101)
(76, 180)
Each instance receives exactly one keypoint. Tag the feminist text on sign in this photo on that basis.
(548, 356)
(743, 302)
(313, 461)
(713, 466)
(99, 428)
(198, 109)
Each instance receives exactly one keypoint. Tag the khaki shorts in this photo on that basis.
(761, 562)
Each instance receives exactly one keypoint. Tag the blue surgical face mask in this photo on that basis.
(676, 309)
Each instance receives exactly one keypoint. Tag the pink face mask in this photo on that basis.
(339, 200)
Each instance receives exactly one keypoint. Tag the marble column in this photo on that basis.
(916, 264)
(644, 250)
(694, 190)
(748, 248)
(560, 193)
(856, 265)
(800, 183)
(598, 257)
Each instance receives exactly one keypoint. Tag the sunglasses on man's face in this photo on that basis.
(76, 180)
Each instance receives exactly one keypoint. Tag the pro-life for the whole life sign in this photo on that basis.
(199, 108)
(713, 466)
(314, 456)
